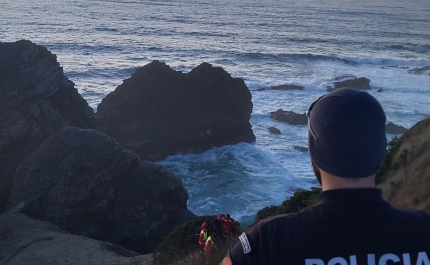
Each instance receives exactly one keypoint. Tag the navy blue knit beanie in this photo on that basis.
(347, 133)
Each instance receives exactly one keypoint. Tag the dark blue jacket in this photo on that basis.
(345, 227)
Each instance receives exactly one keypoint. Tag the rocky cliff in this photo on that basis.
(24, 241)
(408, 174)
(159, 111)
(84, 182)
(36, 101)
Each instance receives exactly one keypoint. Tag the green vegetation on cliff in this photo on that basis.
(406, 182)
(386, 165)
(301, 200)
(182, 242)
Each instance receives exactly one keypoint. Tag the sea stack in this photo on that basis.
(160, 111)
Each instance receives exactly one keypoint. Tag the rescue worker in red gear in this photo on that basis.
(228, 223)
(206, 223)
(209, 244)
(203, 236)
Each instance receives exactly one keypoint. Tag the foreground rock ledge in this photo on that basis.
(26, 241)
(159, 111)
(85, 183)
(36, 100)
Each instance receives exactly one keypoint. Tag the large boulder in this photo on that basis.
(36, 101)
(159, 111)
(24, 241)
(87, 184)
(289, 117)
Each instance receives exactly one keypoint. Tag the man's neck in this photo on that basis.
(331, 182)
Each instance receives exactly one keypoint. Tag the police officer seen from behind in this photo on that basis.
(350, 224)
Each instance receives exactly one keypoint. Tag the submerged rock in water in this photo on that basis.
(27, 241)
(274, 130)
(289, 117)
(357, 83)
(394, 129)
(36, 101)
(87, 184)
(287, 87)
(282, 87)
(159, 111)
(420, 70)
(301, 148)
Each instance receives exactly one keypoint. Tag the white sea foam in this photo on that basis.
(412, 62)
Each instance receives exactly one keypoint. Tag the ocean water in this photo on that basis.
(100, 43)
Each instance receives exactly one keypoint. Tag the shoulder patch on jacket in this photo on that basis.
(245, 243)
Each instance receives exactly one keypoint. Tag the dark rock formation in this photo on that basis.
(84, 182)
(159, 111)
(282, 87)
(394, 129)
(27, 241)
(289, 117)
(380, 90)
(301, 148)
(36, 101)
(357, 83)
(274, 130)
(419, 70)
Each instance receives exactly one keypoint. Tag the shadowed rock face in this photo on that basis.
(84, 182)
(36, 101)
(27, 241)
(159, 111)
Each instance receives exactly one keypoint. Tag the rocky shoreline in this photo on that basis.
(78, 188)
